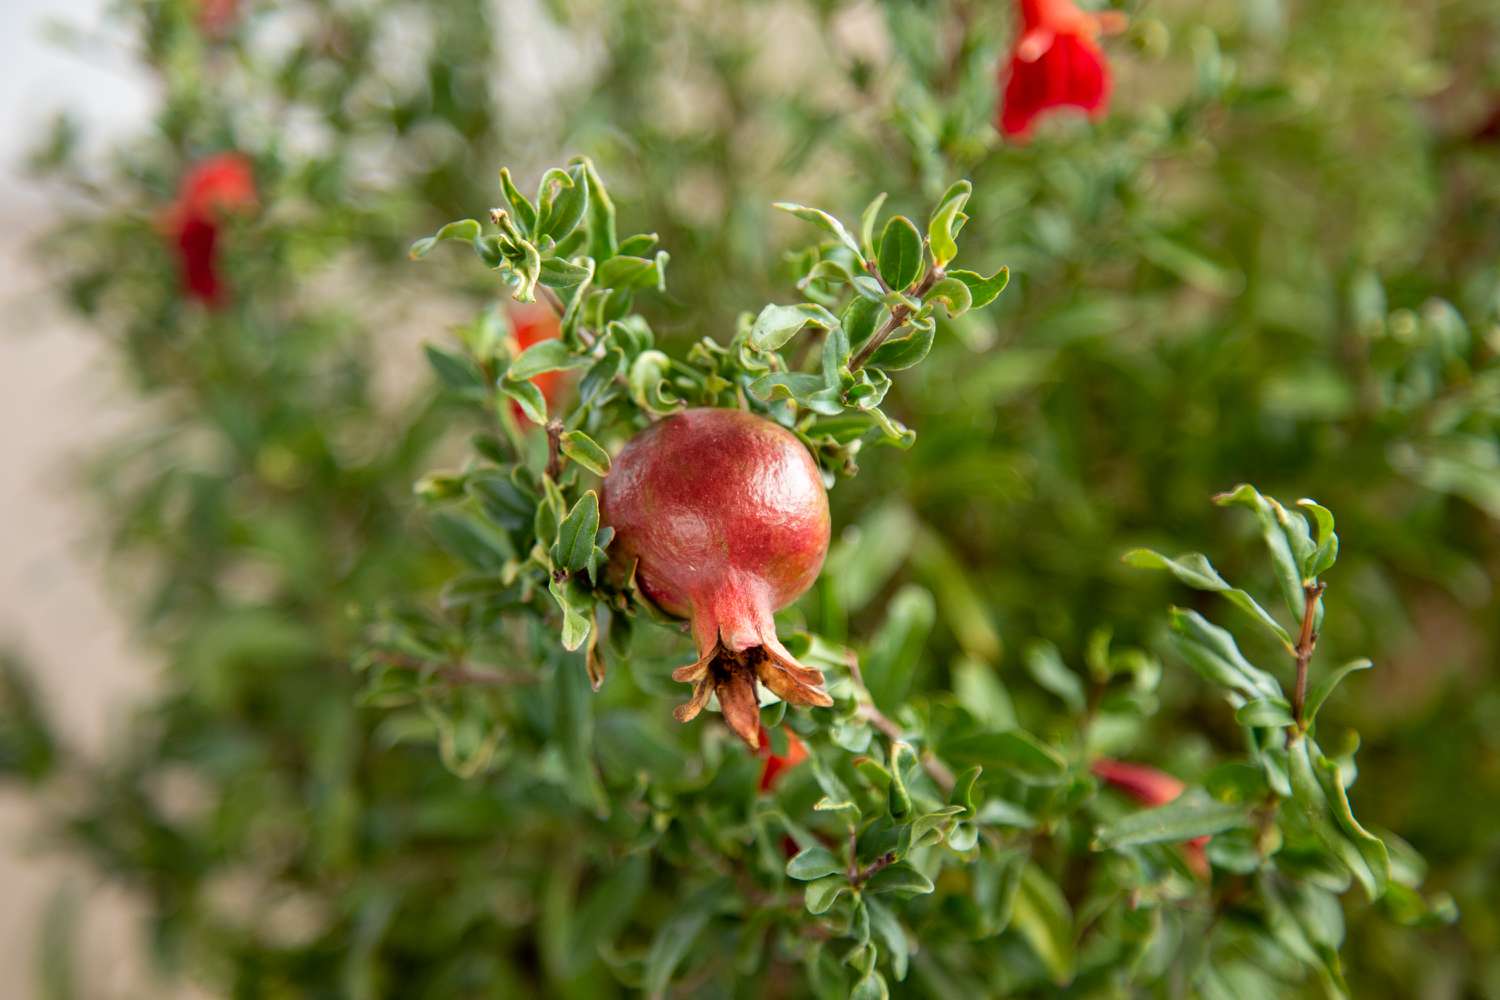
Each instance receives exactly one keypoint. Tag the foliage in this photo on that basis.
(1273, 261)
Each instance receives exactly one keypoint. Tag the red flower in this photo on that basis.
(533, 323)
(1151, 787)
(1056, 63)
(214, 186)
(216, 17)
(796, 753)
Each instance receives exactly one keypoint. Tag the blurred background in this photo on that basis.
(60, 399)
(1276, 259)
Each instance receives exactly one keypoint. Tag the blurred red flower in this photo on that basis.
(1151, 787)
(534, 322)
(1056, 62)
(213, 187)
(217, 17)
(776, 764)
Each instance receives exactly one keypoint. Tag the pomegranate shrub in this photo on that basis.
(988, 757)
(690, 491)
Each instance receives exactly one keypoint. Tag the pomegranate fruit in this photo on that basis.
(725, 519)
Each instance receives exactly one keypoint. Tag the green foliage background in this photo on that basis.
(1275, 261)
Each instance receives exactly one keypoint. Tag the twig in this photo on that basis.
(861, 876)
(554, 446)
(457, 672)
(1306, 643)
(898, 319)
(939, 772)
(555, 301)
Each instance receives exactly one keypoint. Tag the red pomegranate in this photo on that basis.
(725, 519)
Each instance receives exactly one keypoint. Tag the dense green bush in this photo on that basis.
(1272, 261)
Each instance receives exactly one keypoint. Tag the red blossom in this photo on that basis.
(1152, 788)
(533, 323)
(214, 186)
(776, 764)
(1056, 62)
(217, 17)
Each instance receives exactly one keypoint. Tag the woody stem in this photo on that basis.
(1307, 641)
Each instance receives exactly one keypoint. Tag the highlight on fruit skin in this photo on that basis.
(724, 517)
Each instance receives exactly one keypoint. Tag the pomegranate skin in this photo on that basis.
(724, 517)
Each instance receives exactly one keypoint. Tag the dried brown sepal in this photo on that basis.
(733, 677)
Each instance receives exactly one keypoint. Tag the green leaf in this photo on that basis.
(528, 274)
(809, 390)
(982, 693)
(464, 229)
(1318, 794)
(1014, 750)
(1194, 569)
(898, 798)
(953, 294)
(564, 275)
(899, 877)
(963, 793)
(585, 451)
(577, 608)
(896, 650)
(575, 536)
(1213, 652)
(1041, 914)
(982, 290)
(603, 243)
(626, 272)
(457, 372)
(905, 352)
(821, 894)
(606, 910)
(867, 220)
(1287, 538)
(813, 863)
(1047, 669)
(1190, 815)
(1327, 552)
(677, 935)
(890, 935)
(777, 324)
(901, 257)
(870, 986)
(573, 731)
(946, 220)
(544, 356)
(1272, 712)
(1320, 691)
(824, 221)
(561, 214)
(521, 209)
(529, 398)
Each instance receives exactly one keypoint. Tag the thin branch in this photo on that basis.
(457, 673)
(899, 316)
(1306, 643)
(554, 448)
(939, 772)
(555, 301)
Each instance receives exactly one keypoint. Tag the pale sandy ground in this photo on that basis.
(56, 401)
